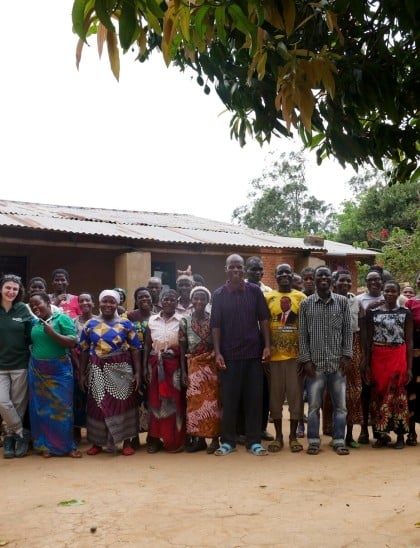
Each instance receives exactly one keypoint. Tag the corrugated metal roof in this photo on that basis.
(144, 225)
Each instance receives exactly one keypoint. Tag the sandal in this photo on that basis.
(94, 450)
(258, 450)
(46, 455)
(399, 443)
(313, 449)
(127, 451)
(295, 446)
(341, 450)
(76, 454)
(214, 446)
(363, 438)
(275, 446)
(381, 442)
(353, 444)
(224, 450)
(411, 439)
(154, 446)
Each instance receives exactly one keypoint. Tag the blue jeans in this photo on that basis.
(336, 386)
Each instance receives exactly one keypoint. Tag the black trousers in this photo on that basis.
(242, 383)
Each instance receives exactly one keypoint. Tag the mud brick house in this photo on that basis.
(104, 248)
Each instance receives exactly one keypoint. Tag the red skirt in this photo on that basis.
(166, 399)
(389, 405)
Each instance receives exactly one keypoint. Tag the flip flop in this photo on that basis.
(258, 450)
(224, 450)
(353, 444)
(127, 451)
(341, 450)
(313, 449)
(76, 454)
(295, 446)
(275, 446)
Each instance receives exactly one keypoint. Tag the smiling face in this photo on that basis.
(199, 301)
(40, 306)
(323, 279)
(374, 284)
(284, 277)
(144, 300)
(86, 303)
(169, 300)
(108, 307)
(60, 284)
(342, 285)
(9, 292)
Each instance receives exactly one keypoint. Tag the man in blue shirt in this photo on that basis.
(239, 315)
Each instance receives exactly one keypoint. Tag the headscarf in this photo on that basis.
(110, 293)
(200, 288)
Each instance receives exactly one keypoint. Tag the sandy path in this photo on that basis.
(370, 498)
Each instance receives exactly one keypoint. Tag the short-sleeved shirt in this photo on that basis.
(164, 331)
(44, 347)
(237, 313)
(15, 330)
(103, 338)
(389, 325)
(284, 324)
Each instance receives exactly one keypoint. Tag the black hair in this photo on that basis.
(198, 279)
(338, 273)
(393, 282)
(137, 291)
(37, 279)
(43, 295)
(307, 270)
(62, 271)
(253, 259)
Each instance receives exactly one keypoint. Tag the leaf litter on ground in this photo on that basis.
(71, 502)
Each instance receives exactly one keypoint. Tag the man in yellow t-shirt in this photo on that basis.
(284, 378)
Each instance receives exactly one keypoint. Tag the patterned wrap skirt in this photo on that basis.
(112, 411)
(166, 399)
(203, 402)
(51, 405)
(389, 405)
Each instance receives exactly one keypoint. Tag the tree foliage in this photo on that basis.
(279, 201)
(342, 73)
(377, 209)
(400, 254)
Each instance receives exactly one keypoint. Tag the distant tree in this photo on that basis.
(343, 74)
(401, 253)
(377, 209)
(279, 201)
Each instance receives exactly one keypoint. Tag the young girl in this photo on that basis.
(389, 356)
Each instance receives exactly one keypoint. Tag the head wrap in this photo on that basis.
(200, 288)
(109, 293)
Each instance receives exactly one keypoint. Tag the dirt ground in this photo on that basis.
(370, 498)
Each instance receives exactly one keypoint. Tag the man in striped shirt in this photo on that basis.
(325, 350)
(239, 312)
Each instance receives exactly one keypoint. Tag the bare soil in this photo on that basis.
(369, 498)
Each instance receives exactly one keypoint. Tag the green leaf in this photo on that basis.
(103, 11)
(78, 17)
(199, 25)
(127, 25)
(71, 502)
(242, 23)
(220, 16)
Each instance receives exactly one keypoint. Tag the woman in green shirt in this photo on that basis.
(51, 379)
(15, 321)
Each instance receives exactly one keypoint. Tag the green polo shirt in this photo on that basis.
(15, 329)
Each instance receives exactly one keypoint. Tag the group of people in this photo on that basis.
(202, 372)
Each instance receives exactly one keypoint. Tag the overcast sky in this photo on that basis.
(153, 142)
